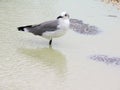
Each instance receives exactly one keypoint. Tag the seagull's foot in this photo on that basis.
(50, 42)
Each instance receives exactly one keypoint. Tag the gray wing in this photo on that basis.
(80, 27)
(43, 27)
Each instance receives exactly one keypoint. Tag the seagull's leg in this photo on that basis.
(50, 42)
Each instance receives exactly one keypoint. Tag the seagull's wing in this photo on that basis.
(43, 27)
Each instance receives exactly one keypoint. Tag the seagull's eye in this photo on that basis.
(66, 15)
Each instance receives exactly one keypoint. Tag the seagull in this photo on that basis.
(50, 29)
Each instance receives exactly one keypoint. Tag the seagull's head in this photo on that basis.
(63, 15)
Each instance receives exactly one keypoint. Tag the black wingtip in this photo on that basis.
(20, 28)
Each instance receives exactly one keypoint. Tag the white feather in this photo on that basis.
(26, 30)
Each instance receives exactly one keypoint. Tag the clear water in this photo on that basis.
(27, 63)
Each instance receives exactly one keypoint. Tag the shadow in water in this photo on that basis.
(82, 28)
(49, 57)
(106, 59)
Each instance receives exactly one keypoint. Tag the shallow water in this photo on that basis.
(27, 63)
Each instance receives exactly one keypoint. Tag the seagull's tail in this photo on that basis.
(23, 28)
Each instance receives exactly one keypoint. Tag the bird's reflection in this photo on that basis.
(50, 57)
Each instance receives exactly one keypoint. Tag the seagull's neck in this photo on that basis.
(64, 23)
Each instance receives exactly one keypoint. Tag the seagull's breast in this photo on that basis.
(54, 34)
(64, 24)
